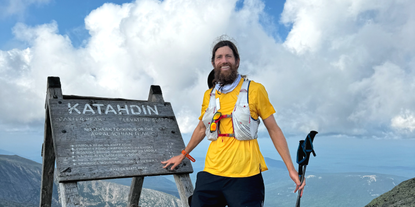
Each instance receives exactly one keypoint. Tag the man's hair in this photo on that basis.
(223, 43)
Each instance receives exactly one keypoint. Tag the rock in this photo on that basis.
(403, 195)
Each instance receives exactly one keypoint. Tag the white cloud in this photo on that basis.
(384, 93)
(17, 7)
(404, 121)
(346, 67)
(360, 59)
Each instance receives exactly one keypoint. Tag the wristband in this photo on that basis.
(188, 156)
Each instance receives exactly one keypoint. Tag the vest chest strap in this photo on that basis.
(226, 135)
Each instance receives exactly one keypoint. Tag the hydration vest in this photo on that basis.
(244, 126)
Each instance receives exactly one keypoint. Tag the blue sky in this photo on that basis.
(343, 68)
(70, 17)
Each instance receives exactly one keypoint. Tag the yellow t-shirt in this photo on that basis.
(228, 156)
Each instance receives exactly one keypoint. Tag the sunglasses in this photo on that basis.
(215, 120)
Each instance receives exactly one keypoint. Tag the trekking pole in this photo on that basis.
(300, 168)
(305, 147)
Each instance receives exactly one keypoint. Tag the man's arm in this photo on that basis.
(280, 144)
(197, 137)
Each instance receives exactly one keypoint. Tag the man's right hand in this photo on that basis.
(299, 186)
(197, 137)
(175, 161)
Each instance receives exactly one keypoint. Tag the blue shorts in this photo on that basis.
(218, 191)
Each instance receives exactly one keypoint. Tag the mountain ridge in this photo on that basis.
(20, 186)
(402, 195)
(323, 189)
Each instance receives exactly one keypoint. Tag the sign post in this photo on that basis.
(95, 138)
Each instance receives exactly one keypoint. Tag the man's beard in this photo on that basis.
(226, 77)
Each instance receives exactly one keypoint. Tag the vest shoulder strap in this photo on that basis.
(212, 101)
(244, 93)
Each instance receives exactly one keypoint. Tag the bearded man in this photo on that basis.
(230, 119)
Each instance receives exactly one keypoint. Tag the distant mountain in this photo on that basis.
(328, 189)
(159, 183)
(274, 164)
(339, 189)
(20, 186)
(20, 182)
(107, 194)
(4, 152)
(403, 195)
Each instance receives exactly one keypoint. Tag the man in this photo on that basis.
(230, 119)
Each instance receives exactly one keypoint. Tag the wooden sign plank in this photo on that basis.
(68, 195)
(99, 139)
(48, 167)
(135, 191)
(185, 187)
(48, 154)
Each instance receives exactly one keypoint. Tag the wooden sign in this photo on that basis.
(97, 139)
(93, 138)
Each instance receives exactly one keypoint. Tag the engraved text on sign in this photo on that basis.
(97, 139)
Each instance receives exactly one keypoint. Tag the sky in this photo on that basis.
(344, 68)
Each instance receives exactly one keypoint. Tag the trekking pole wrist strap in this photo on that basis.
(188, 156)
